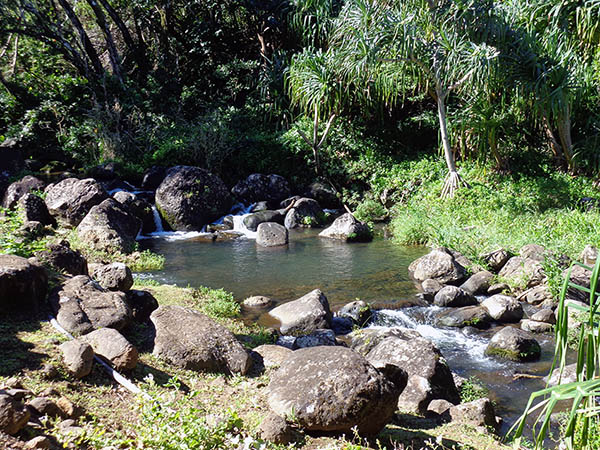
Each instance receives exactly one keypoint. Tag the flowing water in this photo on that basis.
(375, 272)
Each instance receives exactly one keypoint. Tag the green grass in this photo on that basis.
(472, 389)
(497, 211)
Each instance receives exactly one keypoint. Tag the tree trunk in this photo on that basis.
(453, 180)
(113, 54)
(83, 36)
(564, 133)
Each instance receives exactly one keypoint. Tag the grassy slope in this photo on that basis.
(498, 210)
(214, 409)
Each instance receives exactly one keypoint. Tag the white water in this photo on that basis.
(239, 212)
(452, 342)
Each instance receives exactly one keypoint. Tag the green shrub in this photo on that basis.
(217, 303)
(12, 240)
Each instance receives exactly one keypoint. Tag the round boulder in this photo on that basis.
(19, 188)
(114, 277)
(332, 389)
(33, 209)
(437, 265)
(454, 296)
(78, 357)
(305, 212)
(190, 197)
(109, 226)
(62, 258)
(304, 315)
(467, 316)
(191, 340)
(23, 285)
(257, 187)
(271, 234)
(347, 228)
(503, 308)
(71, 199)
(514, 344)
(112, 346)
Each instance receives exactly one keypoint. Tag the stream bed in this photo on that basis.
(375, 272)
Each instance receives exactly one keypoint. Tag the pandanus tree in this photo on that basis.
(383, 47)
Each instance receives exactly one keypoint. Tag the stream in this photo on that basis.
(375, 272)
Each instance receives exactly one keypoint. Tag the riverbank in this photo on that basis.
(211, 410)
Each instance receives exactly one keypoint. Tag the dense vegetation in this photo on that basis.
(240, 84)
(393, 103)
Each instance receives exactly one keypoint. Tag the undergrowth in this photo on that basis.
(497, 211)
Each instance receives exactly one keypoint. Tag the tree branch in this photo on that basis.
(326, 132)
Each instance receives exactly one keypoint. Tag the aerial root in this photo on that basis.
(452, 183)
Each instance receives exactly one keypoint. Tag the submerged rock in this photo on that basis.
(347, 228)
(332, 389)
(514, 344)
(271, 234)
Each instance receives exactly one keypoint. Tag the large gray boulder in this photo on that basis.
(523, 272)
(429, 376)
(61, 257)
(71, 199)
(496, 259)
(23, 285)
(479, 283)
(503, 308)
(271, 234)
(113, 347)
(81, 305)
(364, 340)
(190, 197)
(332, 389)
(252, 221)
(467, 316)
(305, 212)
(34, 209)
(78, 357)
(304, 315)
(514, 344)
(140, 208)
(347, 228)
(13, 415)
(439, 265)
(188, 339)
(258, 187)
(477, 413)
(114, 276)
(109, 226)
(454, 296)
(19, 188)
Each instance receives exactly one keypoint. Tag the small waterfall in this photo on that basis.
(454, 344)
(238, 225)
(158, 226)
